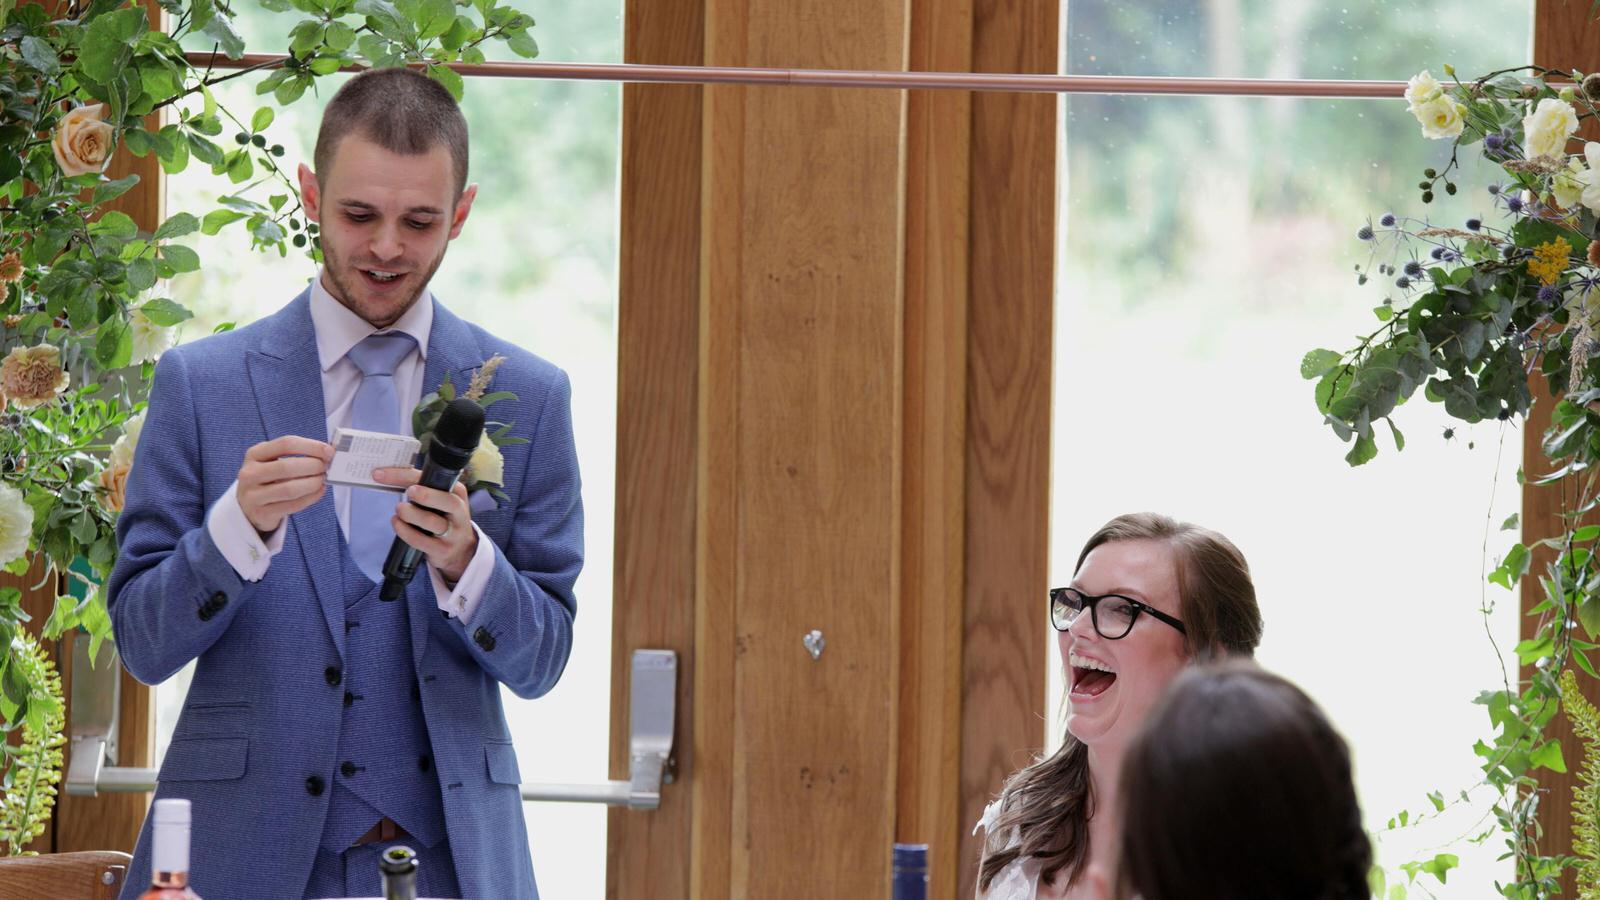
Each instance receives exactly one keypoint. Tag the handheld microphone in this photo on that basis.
(454, 438)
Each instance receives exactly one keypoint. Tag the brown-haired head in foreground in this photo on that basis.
(1049, 802)
(1238, 786)
(400, 110)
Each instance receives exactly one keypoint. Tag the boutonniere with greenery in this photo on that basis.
(486, 470)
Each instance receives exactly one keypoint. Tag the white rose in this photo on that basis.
(1568, 184)
(1589, 178)
(16, 523)
(149, 339)
(1422, 89)
(1441, 118)
(487, 465)
(1546, 129)
(122, 450)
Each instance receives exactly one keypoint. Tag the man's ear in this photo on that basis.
(310, 193)
(458, 218)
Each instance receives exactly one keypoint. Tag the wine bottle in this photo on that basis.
(399, 867)
(910, 872)
(169, 852)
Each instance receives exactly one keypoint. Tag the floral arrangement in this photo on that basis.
(82, 311)
(1472, 311)
(486, 470)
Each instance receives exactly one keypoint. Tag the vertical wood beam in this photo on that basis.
(1564, 38)
(658, 358)
(938, 173)
(1012, 278)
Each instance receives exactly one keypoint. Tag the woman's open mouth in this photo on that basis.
(1090, 677)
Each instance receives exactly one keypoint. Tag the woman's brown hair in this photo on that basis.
(1236, 786)
(1050, 802)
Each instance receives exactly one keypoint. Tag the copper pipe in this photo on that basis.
(946, 81)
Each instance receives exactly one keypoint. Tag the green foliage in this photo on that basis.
(425, 418)
(87, 283)
(33, 766)
(1585, 721)
(1473, 310)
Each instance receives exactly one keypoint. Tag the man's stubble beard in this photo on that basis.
(333, 265)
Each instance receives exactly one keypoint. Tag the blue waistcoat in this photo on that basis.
(385, 758)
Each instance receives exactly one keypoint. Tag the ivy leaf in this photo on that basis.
(39, 54)
(221, 30)
(1547, 756)
(165, 312)
(113, 348)
(217, 218)
(1512, 522)
(178, 225)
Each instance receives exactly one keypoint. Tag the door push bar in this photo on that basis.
(652, 714)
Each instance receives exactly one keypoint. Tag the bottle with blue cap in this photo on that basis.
(910, 872)
(169, 852)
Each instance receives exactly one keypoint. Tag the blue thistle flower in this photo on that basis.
(1414, 269)
(1514, 204)
(1493, 142)
(1494, 189)
(1387, 221)
(1437, 253)
(1365, 233)
(1548, 294)
(1474, 224)
(1402, 282)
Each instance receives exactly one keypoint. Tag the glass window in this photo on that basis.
(1206, 245)
(537, 266)
(1365, 39)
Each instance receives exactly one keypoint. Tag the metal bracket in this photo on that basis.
(96, 695)
(652, 716)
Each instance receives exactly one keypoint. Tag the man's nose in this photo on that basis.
(386, 244)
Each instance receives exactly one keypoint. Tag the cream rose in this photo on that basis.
(1422, 89)
(1441, 118)
(1568, 184)
(1546, 129)
(16, 523)
(32, 375)
(149, 339)
(122, 450)
(487, 465)
(1588, 178)
(82, 142)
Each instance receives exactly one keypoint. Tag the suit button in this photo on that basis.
(205, 612)
(483, 638)
(333, 674)
(219, 599)
(314, 785)
(348, 769)
(424, 762)
(349, 698)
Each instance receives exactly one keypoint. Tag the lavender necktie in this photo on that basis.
(376, 408)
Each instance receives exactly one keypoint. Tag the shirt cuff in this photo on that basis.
(462, 600)
(241, 545)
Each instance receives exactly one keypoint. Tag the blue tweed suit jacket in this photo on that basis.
(260, 727)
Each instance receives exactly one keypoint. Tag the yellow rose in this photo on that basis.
(82, 142)
(1440, 118)
(115, 481)
(486, 465)
(32, 375)
(1546, 129)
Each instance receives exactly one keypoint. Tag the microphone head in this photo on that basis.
(457, 434)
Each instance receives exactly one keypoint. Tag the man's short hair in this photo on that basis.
(400, 110)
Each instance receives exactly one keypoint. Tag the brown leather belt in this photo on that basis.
(387, 829)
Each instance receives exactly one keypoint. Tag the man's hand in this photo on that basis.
(435, 522)
(281, 477)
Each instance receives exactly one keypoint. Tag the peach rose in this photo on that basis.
(115, 481)
(82, 142)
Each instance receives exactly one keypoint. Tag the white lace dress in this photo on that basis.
(1017, 881)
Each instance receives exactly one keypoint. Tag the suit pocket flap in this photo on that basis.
(204, 759)
(502, 763)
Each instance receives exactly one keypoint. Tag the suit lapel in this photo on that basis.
(452, 349)
(286, 377)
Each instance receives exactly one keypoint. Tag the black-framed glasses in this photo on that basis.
(1112, 615)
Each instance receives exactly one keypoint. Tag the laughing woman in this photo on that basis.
(1150, 596)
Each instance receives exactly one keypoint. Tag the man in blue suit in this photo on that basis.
(324, 724)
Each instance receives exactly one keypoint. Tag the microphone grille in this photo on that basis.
(460, 425)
